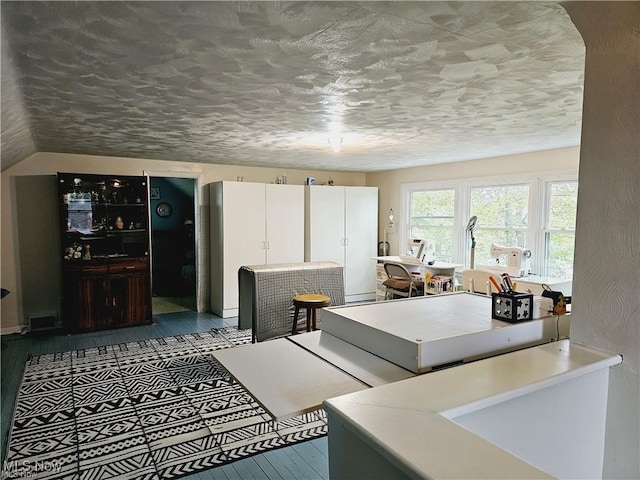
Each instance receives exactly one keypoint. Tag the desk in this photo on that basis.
(413, 265)
(478, 278)
(442, 268)
(533, 284)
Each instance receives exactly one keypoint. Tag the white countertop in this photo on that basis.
(410, 422)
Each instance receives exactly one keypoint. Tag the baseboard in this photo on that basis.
(361, 297)
(11, 330)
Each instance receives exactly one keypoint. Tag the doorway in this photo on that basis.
(173, 244)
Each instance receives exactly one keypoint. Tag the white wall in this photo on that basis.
(606, 286)
(548, 162)
(14, 308)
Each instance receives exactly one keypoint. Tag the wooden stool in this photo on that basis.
(310, 301)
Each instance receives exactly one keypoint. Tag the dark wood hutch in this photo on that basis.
(104, 224)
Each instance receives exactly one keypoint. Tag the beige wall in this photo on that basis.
(35, 253)
(560, 161)
(19, 304)
(606, 286)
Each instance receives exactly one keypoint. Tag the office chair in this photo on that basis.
(400, 282)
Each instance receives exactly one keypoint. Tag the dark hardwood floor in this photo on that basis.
(308, 460)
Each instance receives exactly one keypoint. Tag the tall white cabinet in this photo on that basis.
(251, 224)
(341, 225)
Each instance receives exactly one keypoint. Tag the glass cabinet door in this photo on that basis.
(103, 217)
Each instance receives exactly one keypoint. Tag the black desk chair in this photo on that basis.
(400, 283)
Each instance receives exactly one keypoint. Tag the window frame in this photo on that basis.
(408, 200)
(539, 202)
(546, 230)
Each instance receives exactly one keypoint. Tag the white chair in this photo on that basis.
(400, 283)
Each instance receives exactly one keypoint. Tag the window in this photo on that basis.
(560, 228)
(502, 213)
(531, 212)
(431, 218)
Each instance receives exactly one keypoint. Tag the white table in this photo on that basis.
(533, 284)
(437, 267)
(413, 265)
(423, 333)
(375, 344)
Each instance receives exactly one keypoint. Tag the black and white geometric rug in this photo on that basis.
(156, 409)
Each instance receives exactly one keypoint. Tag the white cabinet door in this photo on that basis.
(284, 223)
(251, 224)
(361, 227)
(342, 227)
(324, 235)
(244, 233)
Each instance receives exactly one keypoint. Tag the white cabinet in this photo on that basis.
(341, 225)
(251, 224)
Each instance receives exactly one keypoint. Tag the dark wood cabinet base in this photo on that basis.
(105, 295)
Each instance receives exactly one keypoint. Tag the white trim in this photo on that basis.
(12, 329)
(538, 205)
(198, 202)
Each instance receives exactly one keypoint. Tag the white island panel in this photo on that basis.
(525, 416)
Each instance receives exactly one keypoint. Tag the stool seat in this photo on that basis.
(310, 301)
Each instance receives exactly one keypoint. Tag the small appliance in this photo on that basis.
(516, 261)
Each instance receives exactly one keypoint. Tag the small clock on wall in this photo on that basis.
(163, 209)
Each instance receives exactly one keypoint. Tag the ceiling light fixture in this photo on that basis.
(335, 143)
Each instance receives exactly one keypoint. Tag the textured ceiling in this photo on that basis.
(264, 83)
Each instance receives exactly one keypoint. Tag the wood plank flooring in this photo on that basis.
(304, 461)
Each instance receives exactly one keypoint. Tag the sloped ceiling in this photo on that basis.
(267, 83)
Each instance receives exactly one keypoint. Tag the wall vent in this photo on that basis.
(41, 322)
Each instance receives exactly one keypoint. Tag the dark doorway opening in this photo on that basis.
(173, 244)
